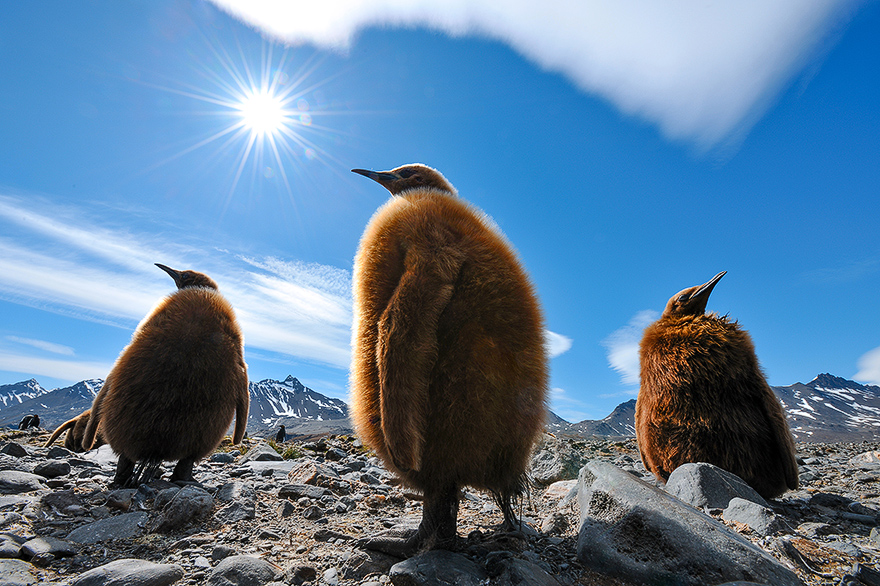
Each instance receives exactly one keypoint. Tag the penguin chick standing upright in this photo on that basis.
(449, 369)
(703, 398)
(174, 390)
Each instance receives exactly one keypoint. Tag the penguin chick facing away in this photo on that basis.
(704, 398)
(76, 429)
(174, 390)
(449, 370)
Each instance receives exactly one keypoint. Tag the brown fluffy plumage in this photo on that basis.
(76, 430)
(175, 388)
(703, 398)
(449, 369)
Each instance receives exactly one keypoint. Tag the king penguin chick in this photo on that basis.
(704, 398)
(174, 390)
(76, 429)
(449, 370)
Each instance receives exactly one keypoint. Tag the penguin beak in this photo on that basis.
(706, 288)
(383, 178)
(174, 274)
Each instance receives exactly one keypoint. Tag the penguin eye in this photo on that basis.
(406, 173)
(682, 298)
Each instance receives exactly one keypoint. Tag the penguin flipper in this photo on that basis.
(241, 417)
(61, 429)
(95, 417)
(406, 350)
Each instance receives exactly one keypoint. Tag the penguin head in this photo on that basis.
(693, 300)
(407, 177)
(185, 279)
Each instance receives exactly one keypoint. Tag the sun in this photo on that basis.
(267, 111)
(263, 113)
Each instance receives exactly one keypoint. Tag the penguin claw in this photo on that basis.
(397, 542)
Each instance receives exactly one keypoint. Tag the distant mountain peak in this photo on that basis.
(291, 379)
(829, 381)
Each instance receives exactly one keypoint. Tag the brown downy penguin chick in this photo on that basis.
(449, 370)
(175, 388)
(703, 398)
(76, 429)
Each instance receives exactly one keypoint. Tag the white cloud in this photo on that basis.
(570, 409)
(702, 71)
(623, 346)
(97, 273)
(43, 345)
(869, 367)
(556, 343)
(71, 370)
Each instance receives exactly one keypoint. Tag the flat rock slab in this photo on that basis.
(631, 529)
(243, 570)
(16, 573)
(120, 527)
(16, 482)
(704, 485)
(437, 568)
(130, 572)
(40, 545)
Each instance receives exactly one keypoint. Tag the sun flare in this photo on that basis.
(263, 112)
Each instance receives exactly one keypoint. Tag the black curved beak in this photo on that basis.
(706, 288)
(381, 177)
(174, 274)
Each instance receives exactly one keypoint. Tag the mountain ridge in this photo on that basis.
(829, 408)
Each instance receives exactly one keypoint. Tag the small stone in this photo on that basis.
(13, 449)
(313, 513)
(130, 572)
(761, 520)
(16, 482)
(16, 573)
(703, 485)
(243, 570)
(813, 530)
(120, 499)
(221, 552)
(189, 504)
(50, 545)
(52, 469)
(122, 526)
(286, 509)
(296, 491)
(331, 577)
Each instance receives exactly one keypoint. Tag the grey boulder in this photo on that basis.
(633, 530)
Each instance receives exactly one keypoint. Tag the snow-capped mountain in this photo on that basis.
(620, 423)
(54, 407)
(17, 393)
(274, 401)
(832, 409)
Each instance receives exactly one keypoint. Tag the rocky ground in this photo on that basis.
(260, 517)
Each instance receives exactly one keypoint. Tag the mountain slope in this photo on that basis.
(18, 393)
(831, 409)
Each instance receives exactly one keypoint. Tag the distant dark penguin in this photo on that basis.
(704, 398)
(76, 429)
(449, 369)
(175, 389)
(281, 435)
(29, 421)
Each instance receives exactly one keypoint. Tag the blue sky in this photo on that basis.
(627, 150)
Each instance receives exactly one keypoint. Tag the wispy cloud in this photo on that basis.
(571, 409)
(43, 345)
(93, 272)
(849, 272)
(623, 346)
(56, 368)
(869, 367)
(556, 343)
(702, 71)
